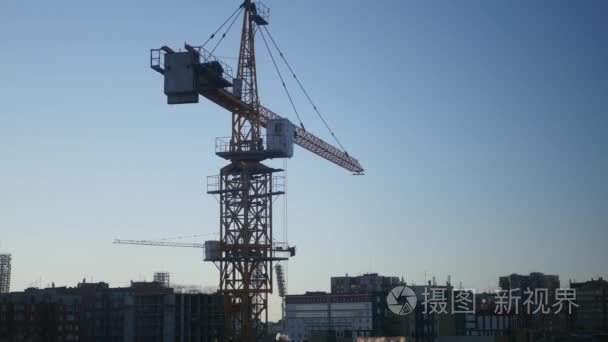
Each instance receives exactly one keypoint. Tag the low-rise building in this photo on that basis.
(345, 315)
(525, 316)
(94, 312)
(591, 315)
(365, 283)
(422, 324)
(39, 315)
(485, 321)
(199, 317)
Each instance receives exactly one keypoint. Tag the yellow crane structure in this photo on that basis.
(245, 186)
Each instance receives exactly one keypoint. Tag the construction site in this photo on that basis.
(482, 125)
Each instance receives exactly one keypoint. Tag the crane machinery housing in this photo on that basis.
(245, 253)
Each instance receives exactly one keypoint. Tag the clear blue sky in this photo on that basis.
(482, 126)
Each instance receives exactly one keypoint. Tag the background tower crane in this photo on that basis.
(245, 186)
(278, 247)
(159, 243)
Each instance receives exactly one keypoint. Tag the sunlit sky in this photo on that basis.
(481, 125)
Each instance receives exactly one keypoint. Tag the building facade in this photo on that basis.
(591, 316)
(485, 321)
(366, 283)
(39, 315)
(534, 280)
(94, 312)
(420, 325)
(345, 315)
(542, 324)
(199, 317)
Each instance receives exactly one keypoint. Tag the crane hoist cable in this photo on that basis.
(276, 67)
(219, 28)
(225, 32)
(304, 90)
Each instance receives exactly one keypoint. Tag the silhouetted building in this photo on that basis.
(145, 311)
(541, 323)
(592, 312)
(423, 324)
(199, 317)
(141, 312)
(532, 281)
(39, 315)
(366, 283)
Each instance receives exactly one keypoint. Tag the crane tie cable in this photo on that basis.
(276, 67)
(304, 90)
(219, 28)
(226, 32)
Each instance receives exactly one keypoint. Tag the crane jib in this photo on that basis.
(225, 97)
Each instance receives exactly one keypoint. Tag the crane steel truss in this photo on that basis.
(246, 244)
(246, 207)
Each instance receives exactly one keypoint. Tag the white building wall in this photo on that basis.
(301, 319)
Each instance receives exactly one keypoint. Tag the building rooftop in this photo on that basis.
(600, 282)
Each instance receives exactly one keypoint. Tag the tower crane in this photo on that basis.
(158, 243)
(246, 187)
(278, 248)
